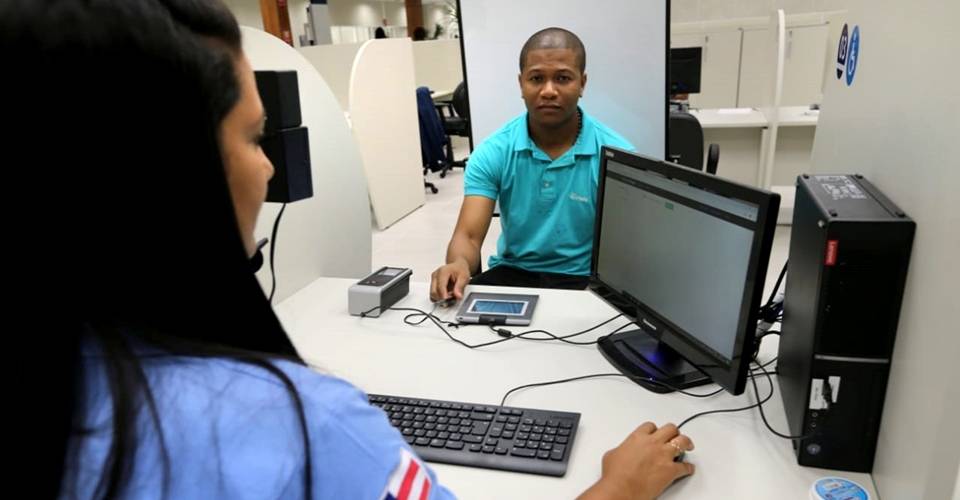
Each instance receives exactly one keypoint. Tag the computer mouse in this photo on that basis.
(679, 458)
(447, 302)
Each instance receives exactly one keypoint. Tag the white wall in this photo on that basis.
(682, 11)
(366, 13)
(335, 64)
(328, 234)
(437, 64)
(891, 126)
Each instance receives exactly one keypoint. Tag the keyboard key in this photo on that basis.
(562, 440)
(538, 429)
(443, 435)
(407, 431)
(410, 439)
(501, 419)
(523, 435)
(429, 411)
(434, 404)
(394, 422)
(500, 451)
(454, 445)
(456, 406)
(548, 438)
(453, 421)
(553, 423)
(488, 449)
(559, 447)
(520, 443)
(417, 425)
(543, 455)
(416, 411)
(437, 443)
(463, 414)
(441, 427)
(491, 441)
(419, 432)
(475, 448)
(473, 439)
(565, 424)
(520, 452)
(419, 418)
(551, 430)
(406, 423)
(514, 420)
(536, 437)
(423, 403)
(466, 421)
(482, 416)
(510, 427)
(431, 419)
(540, 422)
(556, 455)
(546, 446)
(464, 429)
(429, 427)
(564, 432)
(446, 405)
(466, 407)
(422, 442)
(456, 437)
(508, 435)
(479, 429)
(490, 409)
(431, 434)
(527, 421)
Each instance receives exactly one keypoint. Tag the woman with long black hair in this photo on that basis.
(164, 372)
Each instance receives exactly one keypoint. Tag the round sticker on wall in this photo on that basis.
(842, 53)
(853, 54)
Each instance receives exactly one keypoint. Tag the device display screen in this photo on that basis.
(504, 307)
(391, 271)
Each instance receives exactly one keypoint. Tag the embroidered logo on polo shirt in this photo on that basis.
(579, 197)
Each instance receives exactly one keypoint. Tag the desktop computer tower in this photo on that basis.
(849, 251)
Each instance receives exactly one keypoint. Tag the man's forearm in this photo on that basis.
(464, 249)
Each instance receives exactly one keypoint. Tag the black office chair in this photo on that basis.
(686, 143)
(456, 121)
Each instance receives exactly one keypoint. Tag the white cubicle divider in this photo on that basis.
(625, 42)
(328, 234)
(383, 112)
(437, 65)
(334, 63)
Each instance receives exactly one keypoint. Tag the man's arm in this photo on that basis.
(463, 253)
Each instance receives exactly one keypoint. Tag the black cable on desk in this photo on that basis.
(598, 375)
(273, 248)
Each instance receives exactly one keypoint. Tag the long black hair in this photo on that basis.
(125, 225)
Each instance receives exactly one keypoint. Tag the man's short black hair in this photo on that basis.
(555, 38)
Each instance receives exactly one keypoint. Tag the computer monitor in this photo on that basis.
(685, 70)
(685, 254)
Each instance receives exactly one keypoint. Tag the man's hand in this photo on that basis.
(448, 281)
(643, 465)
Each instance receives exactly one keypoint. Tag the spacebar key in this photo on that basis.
(521, 452)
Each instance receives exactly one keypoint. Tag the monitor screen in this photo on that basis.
(685, 70)
(686, 248)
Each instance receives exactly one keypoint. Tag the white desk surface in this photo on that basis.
(730, 118)
(736, 457)
(790, 116)
(798, 116)
(442, 94)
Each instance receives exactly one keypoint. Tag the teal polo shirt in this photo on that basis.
(547, 207)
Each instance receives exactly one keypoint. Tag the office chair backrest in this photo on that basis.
(460, 101)
(432, 136)
(686, 140)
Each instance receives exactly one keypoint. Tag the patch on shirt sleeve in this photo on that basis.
(409, 481)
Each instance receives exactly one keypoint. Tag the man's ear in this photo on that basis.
(520, 83)
(583, 84)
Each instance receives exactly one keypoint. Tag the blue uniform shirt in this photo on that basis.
(231, 431)
(547, 207)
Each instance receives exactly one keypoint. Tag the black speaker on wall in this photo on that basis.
(289, 151)
(285, 142)
(280, 95)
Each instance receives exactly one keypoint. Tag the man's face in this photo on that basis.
(551, 84)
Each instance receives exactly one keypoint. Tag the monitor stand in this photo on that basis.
(642, 357)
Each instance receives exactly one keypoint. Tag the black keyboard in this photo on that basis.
(492, 437)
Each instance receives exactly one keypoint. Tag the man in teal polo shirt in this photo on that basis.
(543, 167)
